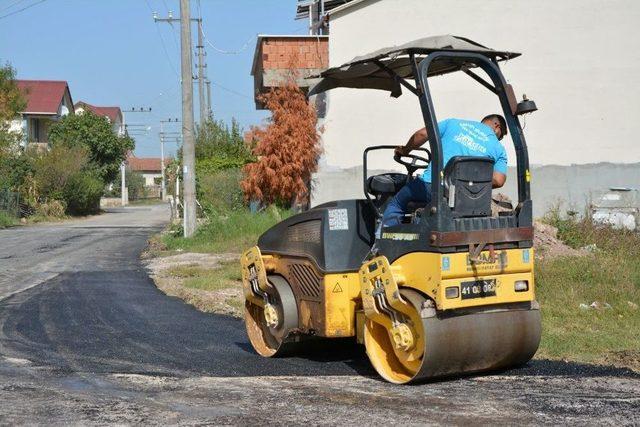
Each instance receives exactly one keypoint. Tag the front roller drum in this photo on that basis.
(269, 326)
(453, 344)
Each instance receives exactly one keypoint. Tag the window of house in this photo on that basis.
(34, 130)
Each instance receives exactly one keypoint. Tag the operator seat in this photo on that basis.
(468, 182)
(386, 184)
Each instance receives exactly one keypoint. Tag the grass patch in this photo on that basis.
(234, 232)
(227, 275)
(7, 220)
(610, 275)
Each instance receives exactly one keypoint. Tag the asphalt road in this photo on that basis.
(85, 337)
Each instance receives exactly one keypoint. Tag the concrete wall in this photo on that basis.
(581, 65)
(569, 187)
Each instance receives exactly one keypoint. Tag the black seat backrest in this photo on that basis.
(386, 183)
(468, 185)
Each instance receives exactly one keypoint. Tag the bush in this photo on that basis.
(220, 191)
(82, 194)
(6, 220)
(52, 208)
(14, 170)
(135, 185)
(54, 168)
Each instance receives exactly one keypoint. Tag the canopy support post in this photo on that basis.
(480, 80)
(396, 77)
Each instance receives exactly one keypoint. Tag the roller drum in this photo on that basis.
(448, 344)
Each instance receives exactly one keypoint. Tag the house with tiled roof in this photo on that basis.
(47, 102)
(151, 170)
(113, 114)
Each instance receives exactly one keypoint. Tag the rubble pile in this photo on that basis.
(547, 244)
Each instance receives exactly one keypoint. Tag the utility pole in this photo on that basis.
(124, 194)
(188, 145)
(188, 140)
(201, 54)
(162, 135)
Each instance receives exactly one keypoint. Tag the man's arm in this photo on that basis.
(498, 179)
(500, 166)
(416, 140)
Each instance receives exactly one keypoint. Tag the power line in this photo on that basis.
(173, 29)
(20, 10)
(12, 4)
(164, 47)
(225, 52)
(229, 52)
(230, 90)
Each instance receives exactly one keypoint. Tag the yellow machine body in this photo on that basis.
(333, 313)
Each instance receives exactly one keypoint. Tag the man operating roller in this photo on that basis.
(459, 138)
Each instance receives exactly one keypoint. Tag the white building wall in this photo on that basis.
(149, 178)
(581, 65)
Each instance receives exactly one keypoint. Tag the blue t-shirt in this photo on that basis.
(469, 138)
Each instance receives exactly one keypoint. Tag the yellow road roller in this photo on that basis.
(447, 291)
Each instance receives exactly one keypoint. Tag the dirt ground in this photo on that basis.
(222, 301)
(547, 244)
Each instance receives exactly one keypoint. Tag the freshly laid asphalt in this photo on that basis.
(101, 312)
(86, 337)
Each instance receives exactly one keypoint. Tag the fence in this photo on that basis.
(10, 202)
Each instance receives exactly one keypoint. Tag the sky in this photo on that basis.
(111, 52)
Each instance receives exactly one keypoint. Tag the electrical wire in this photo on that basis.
(20, 10)
(173, 29)
(13, 4)
(230, 90)
(218, 50)
(164, 47)
(229, 52)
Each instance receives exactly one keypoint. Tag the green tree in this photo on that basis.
(214, 139)
(106, 149)
(135, 184)
(12, 102)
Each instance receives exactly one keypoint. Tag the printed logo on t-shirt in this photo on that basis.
(468, 142)
(473, 130)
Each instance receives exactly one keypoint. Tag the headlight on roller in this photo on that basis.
(521, 285)
(452, 292)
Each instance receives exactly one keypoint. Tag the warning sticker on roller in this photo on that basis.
(337, 288)
(338, 219)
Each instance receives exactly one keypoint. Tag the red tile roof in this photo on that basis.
(147, 164)
(43, 96)
(112, 113)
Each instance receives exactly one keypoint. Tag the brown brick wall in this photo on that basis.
(284, 53)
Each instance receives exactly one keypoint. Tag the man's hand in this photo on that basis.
(402, 150)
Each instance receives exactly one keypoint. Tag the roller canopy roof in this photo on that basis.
(362, 72)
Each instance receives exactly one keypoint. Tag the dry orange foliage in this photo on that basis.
(287, 149)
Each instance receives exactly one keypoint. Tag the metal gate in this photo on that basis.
(10, 202)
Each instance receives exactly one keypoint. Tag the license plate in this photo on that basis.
(478, 289)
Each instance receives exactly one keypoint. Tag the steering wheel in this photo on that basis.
(417, 162)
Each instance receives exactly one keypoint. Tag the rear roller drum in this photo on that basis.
(268, 327)
(429, 346)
